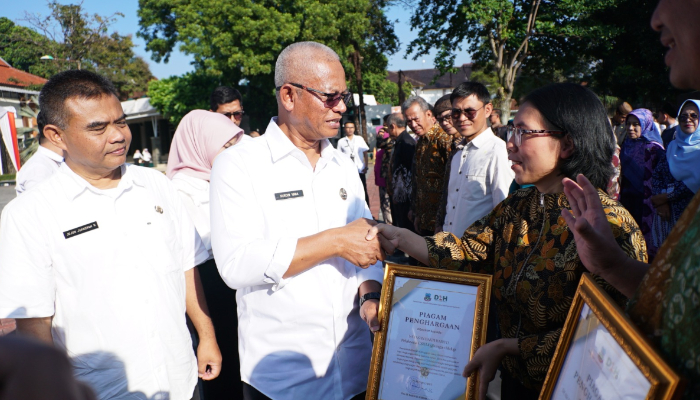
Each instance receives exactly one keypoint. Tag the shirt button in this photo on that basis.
(458, 190)
(453, 207)
(450, 223)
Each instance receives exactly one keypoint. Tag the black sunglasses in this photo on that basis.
(236, 115)
(469, 112)
(332, 99)
(689, 116)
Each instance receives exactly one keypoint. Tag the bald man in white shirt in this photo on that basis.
(289, 221)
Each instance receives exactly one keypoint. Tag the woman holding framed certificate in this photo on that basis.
(560, 131)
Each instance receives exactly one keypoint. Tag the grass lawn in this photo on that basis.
(7, 177)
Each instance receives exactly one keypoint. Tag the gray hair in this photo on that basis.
(424, 106)
(396, 119)
(294, 59)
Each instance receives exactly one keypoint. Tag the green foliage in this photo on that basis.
(242, 39)
(174, 97)
(384, 90)
(632, 64)
(509, 34)
(76, 40)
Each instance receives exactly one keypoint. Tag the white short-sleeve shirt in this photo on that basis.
(194, 193)
(39, 167)
(108, 265)
(480, 177)
(300, 337)
(355, 150)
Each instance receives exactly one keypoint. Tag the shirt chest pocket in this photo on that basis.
(474, 181)
(156, 239)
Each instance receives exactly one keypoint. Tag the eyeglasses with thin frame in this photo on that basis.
(517, 134)
(332, 99)
(470, 113)
(688, 116)
(236, 115)
(442, 118)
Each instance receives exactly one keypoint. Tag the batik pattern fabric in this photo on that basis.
(614, 183)
(385, 170)
(432, 151)
(526, 245)
(457, 145)
(666, 306)
(679, 195)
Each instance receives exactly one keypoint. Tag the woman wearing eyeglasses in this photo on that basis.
(560, 131)
(641, 152)
(677, 178)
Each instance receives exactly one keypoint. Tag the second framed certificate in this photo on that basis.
(432, 322)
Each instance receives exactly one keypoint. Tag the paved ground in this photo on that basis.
(7, 193)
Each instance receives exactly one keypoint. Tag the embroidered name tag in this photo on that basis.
(81, 229)
(289, 195)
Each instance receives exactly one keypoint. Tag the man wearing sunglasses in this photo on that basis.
(479, 173)
(289, 221)
(228, 101)
(432, 150)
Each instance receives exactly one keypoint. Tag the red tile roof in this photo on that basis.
(13, 77)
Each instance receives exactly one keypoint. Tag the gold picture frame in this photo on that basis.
(591, 309)
(415, 277)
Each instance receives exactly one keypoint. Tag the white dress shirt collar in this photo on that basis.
(50, 154)
(280, 145)
(76, 185)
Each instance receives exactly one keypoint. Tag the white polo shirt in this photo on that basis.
(108, 265)
(355, 150)
(39, 167)
(480, 177)
(300, 337)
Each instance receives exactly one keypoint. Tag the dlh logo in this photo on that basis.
(437, 297)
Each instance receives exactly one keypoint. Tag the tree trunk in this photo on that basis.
(357, 62)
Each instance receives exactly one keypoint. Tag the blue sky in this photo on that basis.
(180, 63)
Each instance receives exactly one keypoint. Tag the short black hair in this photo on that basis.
(466, 89)
(40, 123)
(668, 108)
(578, 111)
(396, 119)
(65, 85)
(443, 104)
(349, 122)
(223, 95)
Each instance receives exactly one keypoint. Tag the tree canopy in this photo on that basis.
(75, 40)
(241, 40)
(507, 35)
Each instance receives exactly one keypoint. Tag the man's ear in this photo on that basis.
(567, 147)
(55, 135)
(287, 98)
(488, 109)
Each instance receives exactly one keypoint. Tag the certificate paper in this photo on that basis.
(429, 339)
(596, 367)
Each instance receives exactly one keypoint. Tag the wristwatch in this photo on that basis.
(370, 296)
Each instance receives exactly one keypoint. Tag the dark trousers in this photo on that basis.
(512, 389)
(363, 178)
(221, 300)
(399, 215)
(251, 393)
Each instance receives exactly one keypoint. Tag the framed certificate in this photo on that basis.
(432, 322)
(601, 355)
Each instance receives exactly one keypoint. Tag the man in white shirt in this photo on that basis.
(479, 173)
(288, 234)
(41, 165)
(355, 148)
(98, 259)
(227, 101)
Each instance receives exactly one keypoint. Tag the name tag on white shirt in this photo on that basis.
(289, 195)
(81, 229)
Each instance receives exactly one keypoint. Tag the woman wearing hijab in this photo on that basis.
(559, 131)
(641, 152)
(677, 177)
(199, 138)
